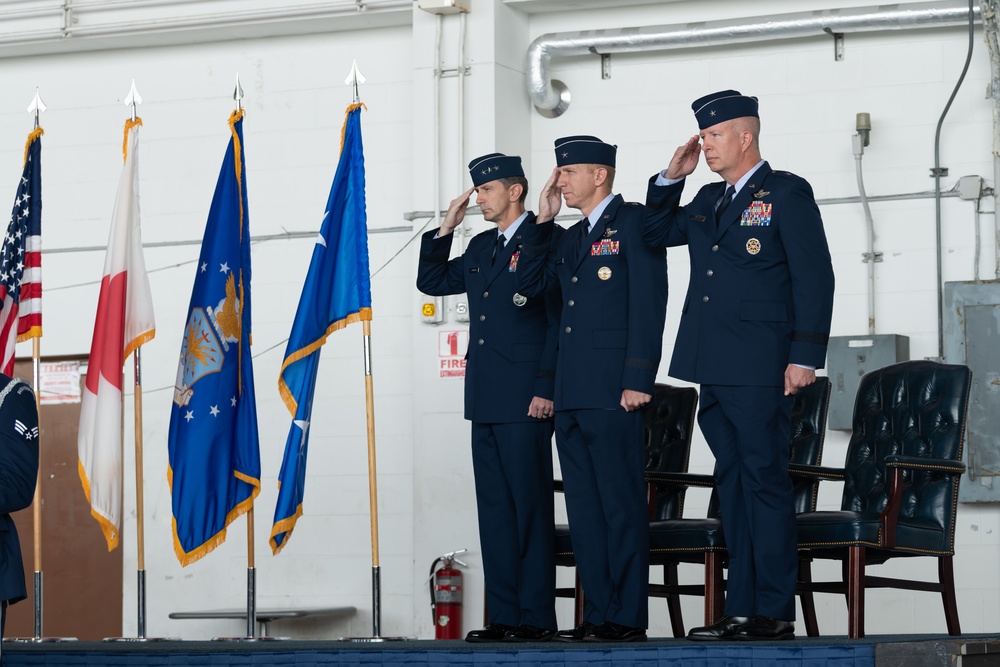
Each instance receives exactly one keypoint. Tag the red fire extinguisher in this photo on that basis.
(446, 596)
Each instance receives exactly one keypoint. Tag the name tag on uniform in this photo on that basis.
(561, 260)
(698, 218)
(474, 269)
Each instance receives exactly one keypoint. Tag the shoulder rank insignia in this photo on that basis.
(24, 431)
(760, 193)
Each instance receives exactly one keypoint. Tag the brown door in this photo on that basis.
(82, 585)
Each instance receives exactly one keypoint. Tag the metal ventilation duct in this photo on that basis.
(551, 97)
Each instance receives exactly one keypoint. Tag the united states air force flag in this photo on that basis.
(337, 292)
(213, 448)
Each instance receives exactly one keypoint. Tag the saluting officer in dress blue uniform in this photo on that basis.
(510, 373)
(18, 473)
(754, 327)
(614, 294)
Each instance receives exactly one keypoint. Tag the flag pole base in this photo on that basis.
(376, 613)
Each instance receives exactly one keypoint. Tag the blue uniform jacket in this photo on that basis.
(512, 339)
(18, 473)
(614, 299)
(761, 289)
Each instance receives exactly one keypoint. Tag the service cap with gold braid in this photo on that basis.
(584, 149)
(722, 106)
(494, 166)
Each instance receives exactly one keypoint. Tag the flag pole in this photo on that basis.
(36, 352)
(132, 100)
(140, 528)
(354, 79)
(35, 108)
(251, 564)
(251, 634)
(372, 483)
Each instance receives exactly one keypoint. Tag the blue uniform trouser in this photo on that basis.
(513, 468)
(748, 430)
(601, 453)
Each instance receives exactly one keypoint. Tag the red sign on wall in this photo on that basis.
(452, 346)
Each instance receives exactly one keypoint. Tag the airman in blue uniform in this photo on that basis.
(510, 373)
(18, 474)
(754, 327)
(614, 295)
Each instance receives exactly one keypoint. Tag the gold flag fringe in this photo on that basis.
(129, 124)
(109, 529)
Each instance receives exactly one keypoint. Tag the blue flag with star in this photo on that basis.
(337, 291)
(213, 448)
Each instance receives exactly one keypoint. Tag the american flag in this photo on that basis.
(21, 258)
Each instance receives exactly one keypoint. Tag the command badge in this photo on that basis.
(753, 246)
(519, 300)
(604, 273)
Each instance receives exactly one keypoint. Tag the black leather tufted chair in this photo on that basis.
(669, 424)
(681, 540)
(900, 480)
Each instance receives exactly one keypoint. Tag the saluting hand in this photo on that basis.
(456, 212)
(685, 159)
(550, 200)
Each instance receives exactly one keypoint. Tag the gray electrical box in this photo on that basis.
(971, 336)
(850, 357)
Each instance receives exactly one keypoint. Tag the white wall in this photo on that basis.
(295, 101)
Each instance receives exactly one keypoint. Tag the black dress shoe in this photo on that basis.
(577, 634)
(494, 632)
(529, 633)
(725, 628)
(767, 629)
(612, 632)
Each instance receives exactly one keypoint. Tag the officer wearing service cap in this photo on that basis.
(753, 329)
(614, 295)
(510, 373)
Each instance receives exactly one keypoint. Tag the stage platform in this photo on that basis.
(878, 651)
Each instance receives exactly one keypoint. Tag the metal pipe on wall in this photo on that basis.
(551, 98)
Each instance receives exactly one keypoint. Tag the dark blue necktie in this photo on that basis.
(501, 242)
(724, 202)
